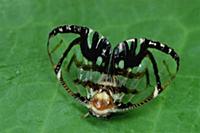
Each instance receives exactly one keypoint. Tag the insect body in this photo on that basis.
(105, 96)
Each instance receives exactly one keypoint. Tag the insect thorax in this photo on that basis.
(103, 98)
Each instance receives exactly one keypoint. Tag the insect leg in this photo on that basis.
(97, 68)
(94, 86)
(122, 72)
(85, 67)
(172, 75)
(147, 77)
(155, 68)
(128, 106)
(70, 62)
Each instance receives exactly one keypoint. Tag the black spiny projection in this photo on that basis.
(105, 96)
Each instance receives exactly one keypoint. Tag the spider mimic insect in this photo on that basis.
(105, 96)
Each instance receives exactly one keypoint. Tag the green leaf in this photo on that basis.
(31, 99)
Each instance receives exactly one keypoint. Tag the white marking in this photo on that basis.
(99, 41)
(155, 93)
(81, 73)
(104, 52)
(68, 28)
(98, 104)
(103, 96)
(117, 96)
(129, 70)
(99, 113)
(78, 29)
(108, 83)
(90, 42)
(131, 40)
(59, 74)
(170, 50)
(152, 43)
(162, 45)
(103, 80)
(142, 40)
(120, 46)
(60, 29)
(92, 93)
(88, 94)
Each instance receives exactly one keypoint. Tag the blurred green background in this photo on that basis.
(31, 99)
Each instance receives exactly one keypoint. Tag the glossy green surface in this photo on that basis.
(31, 100)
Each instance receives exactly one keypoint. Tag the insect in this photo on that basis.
(105, 94)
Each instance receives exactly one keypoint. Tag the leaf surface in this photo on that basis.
(31, 99)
